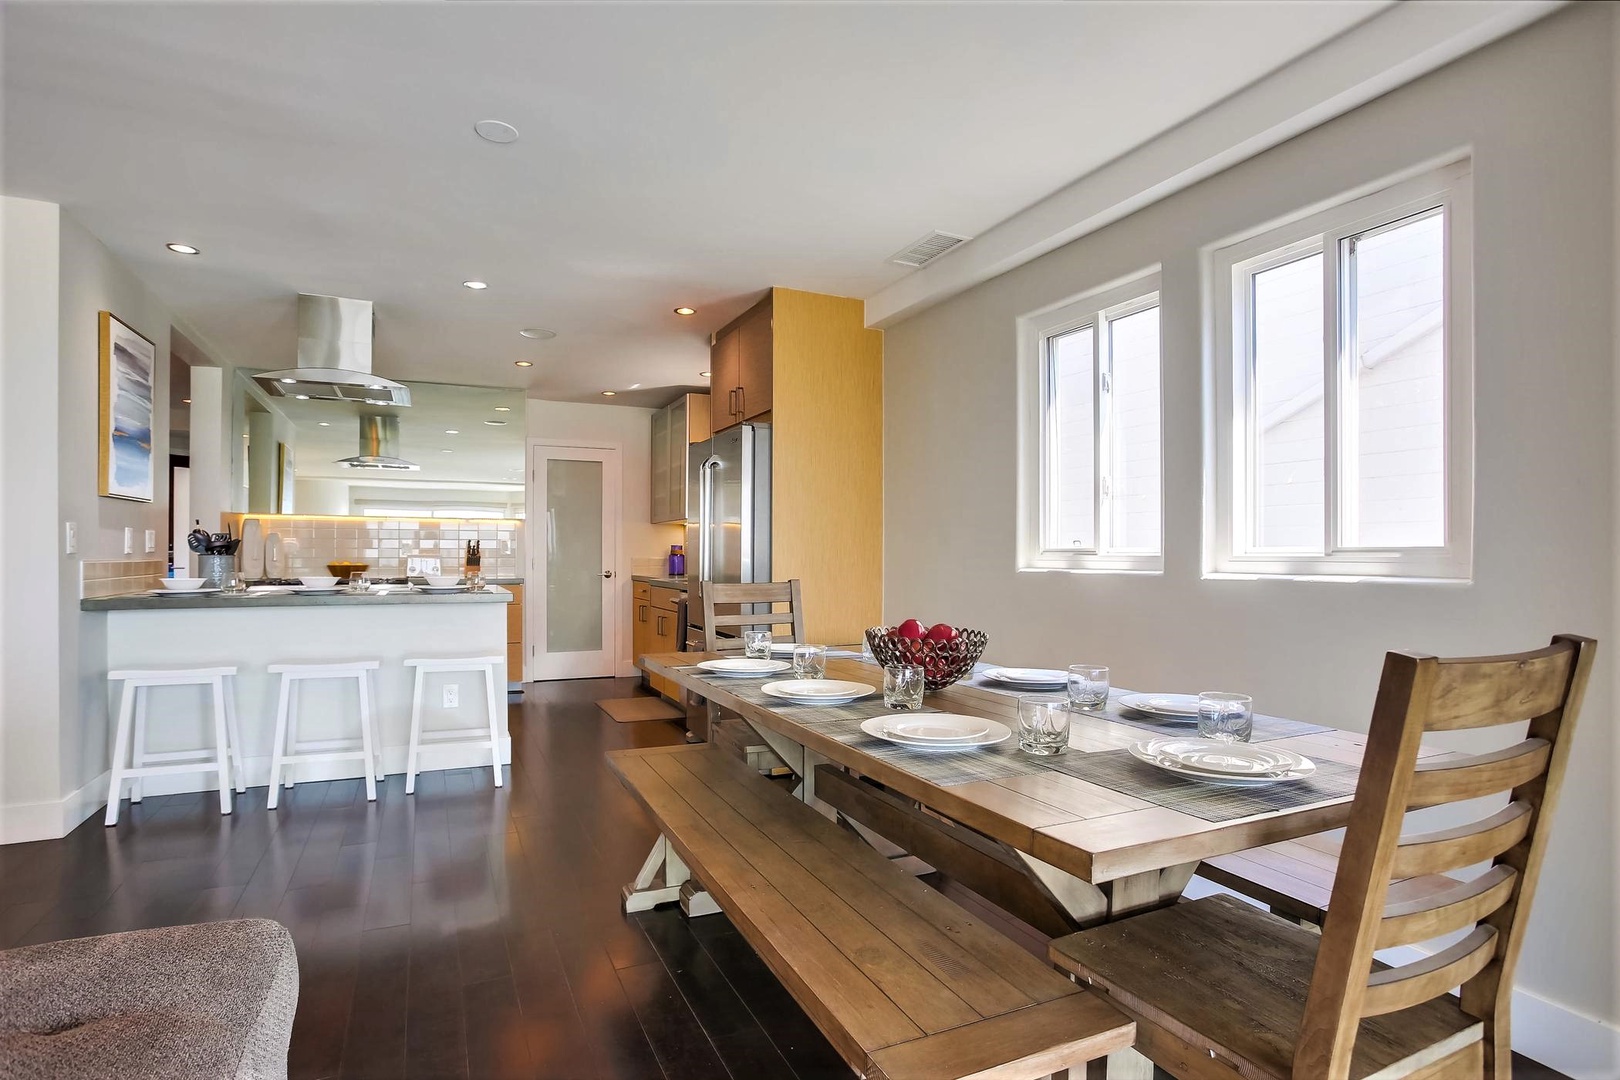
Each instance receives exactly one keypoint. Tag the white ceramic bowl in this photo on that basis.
(184, 584)
(318, 582)
(442, 581)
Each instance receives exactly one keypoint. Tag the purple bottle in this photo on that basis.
(677, 560)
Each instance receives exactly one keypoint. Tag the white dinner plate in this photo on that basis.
(1210, 760)
(937, 727)
(1165, 706)
(203, 591)
(742, 668)
(269, 590)
(1028, 677)
(878, 728)
(315, 590)
(817, 691)
(432, 590)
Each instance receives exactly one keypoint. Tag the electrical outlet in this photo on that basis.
(70, 537)
(452, 696)
(151, 541)
(129, 540)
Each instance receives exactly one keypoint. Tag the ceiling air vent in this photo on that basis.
(929, 248)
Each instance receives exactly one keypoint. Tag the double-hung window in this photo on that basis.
(1090, 443)
(1344, 391)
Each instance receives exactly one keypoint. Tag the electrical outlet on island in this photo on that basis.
(452, 696)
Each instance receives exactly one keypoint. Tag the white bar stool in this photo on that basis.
(287, 751)
(131, 760)
(454, 736)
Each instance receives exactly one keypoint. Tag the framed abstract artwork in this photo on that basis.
(128, 383)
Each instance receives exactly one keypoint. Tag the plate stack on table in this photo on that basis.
(936, 731)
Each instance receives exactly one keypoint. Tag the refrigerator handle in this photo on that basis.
(705, 515)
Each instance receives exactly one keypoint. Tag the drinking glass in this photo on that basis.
(474, 581)
(903, 686)
(357, 581)
(757, 644)
(233, 583)
(1088, 686)
(1043, 726)
(810, 661)
(1225, 717)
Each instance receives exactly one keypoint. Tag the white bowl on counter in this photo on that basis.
(442, 581)
(184, 584)
(319, 582)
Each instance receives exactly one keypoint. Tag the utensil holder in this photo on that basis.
(213, 568)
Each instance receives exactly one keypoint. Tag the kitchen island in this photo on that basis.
(252, 632)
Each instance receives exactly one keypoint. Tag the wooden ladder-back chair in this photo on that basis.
(1221, 989)
(765, 595)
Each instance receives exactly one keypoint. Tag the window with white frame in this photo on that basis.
(1344, 390)
(1090, 454)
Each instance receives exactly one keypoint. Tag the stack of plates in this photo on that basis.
(936, 731)
(816, 691)
(203, 591)
(1176, 708)
(316, 590)
(742, 668)
(1232, 763)
(1028, 678)
(439, 590)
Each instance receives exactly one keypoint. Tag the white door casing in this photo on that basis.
(573, 570)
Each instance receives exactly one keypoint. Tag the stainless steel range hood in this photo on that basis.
(334, 356)
(379, 446)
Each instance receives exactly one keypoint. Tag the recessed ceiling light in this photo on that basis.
(537, 333)
(496, 131)
(323, 423)
(610, 393)
(495, 423)
(301, 397)
(289, 380)
(446, 451)
(182, 249)
(705, 374)
(523, 363)
(451, 431)
(685, 311)
(503, 408)
(635, 386)
(476, 284)
(185, 401)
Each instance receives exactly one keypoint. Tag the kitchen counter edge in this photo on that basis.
(214, 601)
(676, 583)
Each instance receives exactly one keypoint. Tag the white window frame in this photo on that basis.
(1036, 497)
(1229, 502)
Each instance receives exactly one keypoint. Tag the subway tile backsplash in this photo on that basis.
(309, 543)
(119, 577)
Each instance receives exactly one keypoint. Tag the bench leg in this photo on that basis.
(659, 880)
(696, 902)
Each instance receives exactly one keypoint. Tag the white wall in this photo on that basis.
(1537, 110)
(629, 429)
(29, 650)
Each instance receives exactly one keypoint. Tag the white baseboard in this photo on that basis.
(27, 822)
(1579, 1046)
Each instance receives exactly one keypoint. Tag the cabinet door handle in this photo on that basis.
(660, 630)
(641, 615)
(742, 399)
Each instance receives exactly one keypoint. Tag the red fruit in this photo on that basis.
(941, 632)
(912, 629)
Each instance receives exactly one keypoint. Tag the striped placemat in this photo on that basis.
(1118, 771)
(939, 767)
(749, 691)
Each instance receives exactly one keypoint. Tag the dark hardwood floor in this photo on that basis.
(466, 931)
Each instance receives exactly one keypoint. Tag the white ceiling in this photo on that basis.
(671, 153)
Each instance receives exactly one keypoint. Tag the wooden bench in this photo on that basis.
(1294, 878)
(903, 982)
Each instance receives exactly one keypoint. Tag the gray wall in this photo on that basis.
(1536, 109)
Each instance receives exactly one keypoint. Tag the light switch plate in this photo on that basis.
(151, 541)
(70, 537)
(129, 540)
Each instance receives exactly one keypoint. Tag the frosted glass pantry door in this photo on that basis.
(574, 505)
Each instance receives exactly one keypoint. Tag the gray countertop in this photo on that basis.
(214, 601)
(678, 583)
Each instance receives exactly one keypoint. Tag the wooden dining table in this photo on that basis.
(1039, 843)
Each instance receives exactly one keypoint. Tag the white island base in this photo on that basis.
(252, 637)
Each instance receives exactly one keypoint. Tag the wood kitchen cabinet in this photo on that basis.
(675, 427)
(741, 366)
(514, 634)
(656, 622)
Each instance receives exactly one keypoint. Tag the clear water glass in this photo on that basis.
(903, 686)
(810, 661)
(474, 581)
(757, 644)
(1088, 686)
(1225, 717)
(1043, 726)
(233, 583)
(357, 581)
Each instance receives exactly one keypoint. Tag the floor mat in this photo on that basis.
(631, 710)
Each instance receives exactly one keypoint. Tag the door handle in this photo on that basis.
(660, 630)
(607, 573)
(641, 615)
(742, 401)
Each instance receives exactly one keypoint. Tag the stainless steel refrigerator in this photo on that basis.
(728, 511)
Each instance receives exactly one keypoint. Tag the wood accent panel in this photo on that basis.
(698, 425)
(827, 461)
(514, 634)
